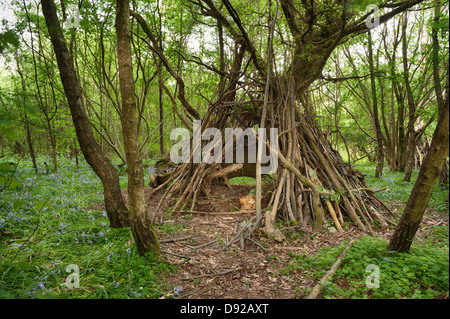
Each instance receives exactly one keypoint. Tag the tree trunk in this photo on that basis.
(30, 144)
(376, 122)
(411, 145)
(141, 226)
(52, 140)
(114, 204)
(423, 188)
(435, 57)
(27, 123)
(161, 120)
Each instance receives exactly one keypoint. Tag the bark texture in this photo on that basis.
(141, 226)
(114, 204)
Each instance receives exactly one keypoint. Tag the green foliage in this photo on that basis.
(422, 273)
(8, 39)
(400, 190)
(56, 220)
(7, 179)
(244, 180)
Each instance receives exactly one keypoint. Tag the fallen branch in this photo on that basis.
(330, 273)
(238, 234)
(225, 171)
(256, 243)
(203, 245)
(172, 240)
(211, 275)
(174, 254)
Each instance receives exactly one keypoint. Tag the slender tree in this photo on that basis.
(141, 226)
(376, 121)
(411, 143)
(423, 188)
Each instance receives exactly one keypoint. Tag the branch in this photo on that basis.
(212, 275)
(342, 79)
(200, 62)
(330, 273)
(157, 49)
(214, 12)
(360, 26)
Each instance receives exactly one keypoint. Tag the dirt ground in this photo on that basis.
(210, 267)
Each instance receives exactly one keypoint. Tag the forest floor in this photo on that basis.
(50, 221)
(248, 269)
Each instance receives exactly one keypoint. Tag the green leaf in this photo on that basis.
(312, 173)
(7, 167)
(11, 183)
(40, 205)
(19, 203)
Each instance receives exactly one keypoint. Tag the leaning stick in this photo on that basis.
(333, 215)
(303, 179)
(330, 273)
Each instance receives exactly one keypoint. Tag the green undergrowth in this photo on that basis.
(51, 221)
(400, 190)
(423, 273)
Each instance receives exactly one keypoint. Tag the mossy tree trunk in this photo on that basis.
(114, 203)
(141, 226)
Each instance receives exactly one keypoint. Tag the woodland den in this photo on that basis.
(224, 149)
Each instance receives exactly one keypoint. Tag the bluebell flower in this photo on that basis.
(177, 290)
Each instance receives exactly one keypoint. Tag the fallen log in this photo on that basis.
(330, 273)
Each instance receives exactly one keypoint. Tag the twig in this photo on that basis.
(203, 245)
(174, 254)
(238, 234)
(215, 213)
(172, 240)
(370, 190)
(185, 295)
(215, 274)
(256, 243)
